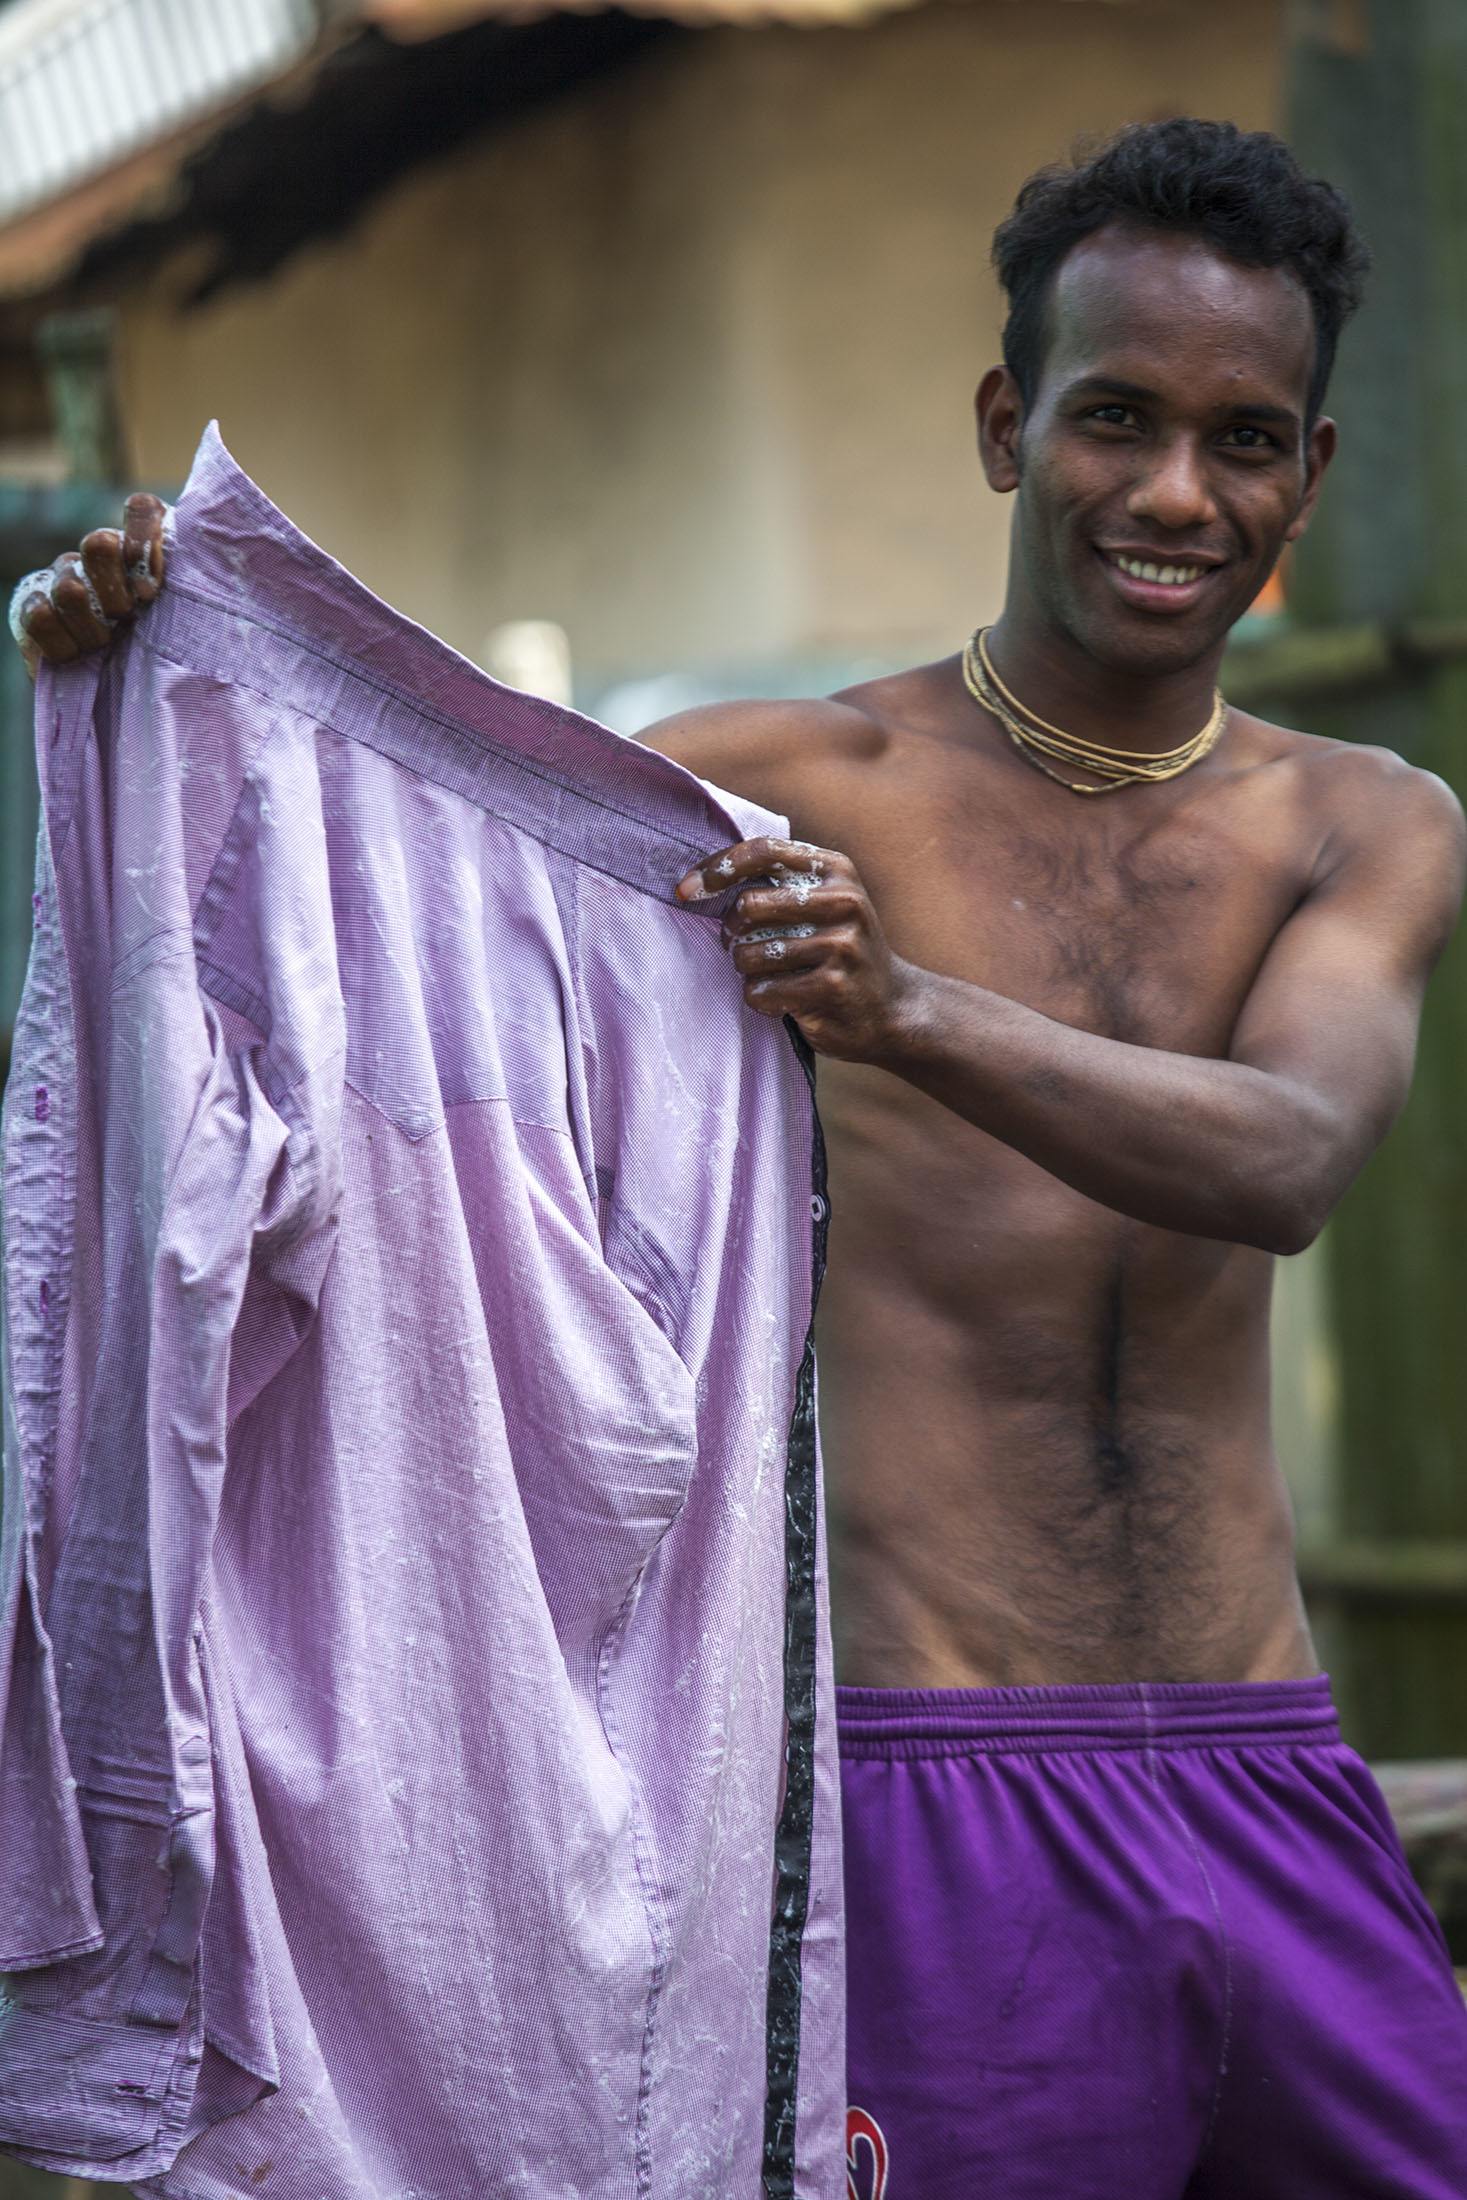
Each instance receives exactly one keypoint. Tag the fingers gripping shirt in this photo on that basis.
(414, 1679)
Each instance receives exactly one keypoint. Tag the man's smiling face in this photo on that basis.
(1163, 462)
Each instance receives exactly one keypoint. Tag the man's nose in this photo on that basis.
(1174, 491)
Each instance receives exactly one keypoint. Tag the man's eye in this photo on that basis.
(1114, 416)
(1246, 438)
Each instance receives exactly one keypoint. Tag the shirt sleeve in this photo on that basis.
(159, 1164)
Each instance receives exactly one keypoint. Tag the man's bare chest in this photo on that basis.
(1143, 916)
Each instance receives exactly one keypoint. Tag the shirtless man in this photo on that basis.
(1125, 1917)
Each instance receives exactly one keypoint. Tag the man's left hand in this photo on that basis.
(807, 943)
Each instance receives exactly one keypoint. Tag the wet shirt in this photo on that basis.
(414, 1677)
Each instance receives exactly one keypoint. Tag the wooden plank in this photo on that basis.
(1401, 1572)
(1302, 663)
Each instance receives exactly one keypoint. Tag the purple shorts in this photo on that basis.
(1134, 1944)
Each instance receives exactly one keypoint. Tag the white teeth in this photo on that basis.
(1170, 576)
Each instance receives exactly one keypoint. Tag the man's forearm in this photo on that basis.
(1216, 1149)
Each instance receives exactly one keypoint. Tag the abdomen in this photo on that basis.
(1045, 1427)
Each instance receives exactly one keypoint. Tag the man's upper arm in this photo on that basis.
(1336, 1005)
(768, 752)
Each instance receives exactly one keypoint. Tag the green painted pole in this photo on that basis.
(1377, 93)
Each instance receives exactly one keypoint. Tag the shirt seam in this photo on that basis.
(85, 1947)
(54, 1235)
(470, 1100)
(795, 1830)
(652, 1910)
(443, 719)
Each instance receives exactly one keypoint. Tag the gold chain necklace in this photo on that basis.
(1036, 738)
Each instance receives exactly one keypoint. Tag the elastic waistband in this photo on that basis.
(956, 1722)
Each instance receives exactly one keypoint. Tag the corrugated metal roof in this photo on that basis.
(414, 19)
(84, 84)
(102, 101)
(88, 86)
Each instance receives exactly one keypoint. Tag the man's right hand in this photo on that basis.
(72, 607)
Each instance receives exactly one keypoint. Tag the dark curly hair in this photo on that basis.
(1241, 190)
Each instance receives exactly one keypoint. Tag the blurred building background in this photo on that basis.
(633, 352)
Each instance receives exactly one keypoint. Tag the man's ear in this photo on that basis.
(1324, 439)
(1000, 411)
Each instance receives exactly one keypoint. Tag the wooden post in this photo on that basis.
(76, 353)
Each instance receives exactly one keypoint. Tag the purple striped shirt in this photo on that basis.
(414, 1681)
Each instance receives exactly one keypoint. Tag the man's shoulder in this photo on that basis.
(1370, 800)
(1361, 775)
(748, 745)
(778, 752)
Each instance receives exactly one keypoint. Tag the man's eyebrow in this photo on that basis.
(1109, 385)
(1277, 416)
(1113, 385)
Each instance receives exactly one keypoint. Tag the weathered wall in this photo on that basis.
(686, 363)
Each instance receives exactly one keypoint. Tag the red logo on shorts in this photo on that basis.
(865, 2156)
